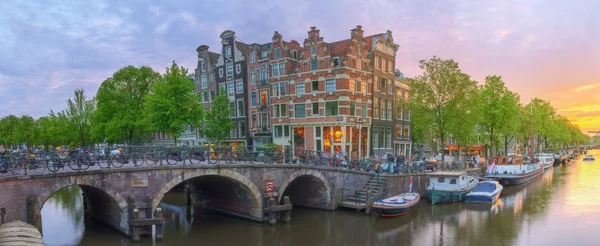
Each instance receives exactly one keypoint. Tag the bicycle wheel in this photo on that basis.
(103, 162)
(173, 158)
(230, 158)
(38, 166)
(74, 163)
(117, 161)
(85, 162)
(138, 159)
(278, 158)
(150, 158)
(195, 157)
(213, 157)
(18, 167)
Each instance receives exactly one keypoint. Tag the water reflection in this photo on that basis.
(559, 208)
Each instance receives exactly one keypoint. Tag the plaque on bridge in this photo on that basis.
(138, 182)
(269, 186)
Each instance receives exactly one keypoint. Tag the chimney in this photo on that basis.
(313, 34)
(357, 32)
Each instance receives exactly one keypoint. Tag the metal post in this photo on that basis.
(2, 213)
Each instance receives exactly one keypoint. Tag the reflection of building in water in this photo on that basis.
(178, 217)
(548, 176)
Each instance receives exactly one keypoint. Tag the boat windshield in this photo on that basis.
(485, 187)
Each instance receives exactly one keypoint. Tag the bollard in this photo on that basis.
(287, 215)
(272, 217)
(159, 227)
(136, 230)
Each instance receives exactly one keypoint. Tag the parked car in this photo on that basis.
(429, 162)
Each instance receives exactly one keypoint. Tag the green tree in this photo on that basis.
(173, 104)
(440, 93)
(463, 122)
(218, 123)
(24, 130)
(500, 108)
(121, 104)
(8, 129)
(79, 114)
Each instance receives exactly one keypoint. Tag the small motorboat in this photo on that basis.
(397, 205)
(485, 192)
(589, 158)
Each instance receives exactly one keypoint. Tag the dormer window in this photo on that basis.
(277, 53)
(263, 54)
(294, 54)
(336, 61)
(202, 66)
(253, 56)
(314, 50)
(228, 51)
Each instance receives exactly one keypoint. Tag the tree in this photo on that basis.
(500, 108)
(121, 103)
(218, 123)
(440, 93)
(8, 129)
(24, 130)
(79, 114)
(173, 104)
(463, 122)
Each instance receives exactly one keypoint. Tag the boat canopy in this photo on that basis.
(455, 174)
(508, 160)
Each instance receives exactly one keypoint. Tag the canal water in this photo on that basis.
(560, 208)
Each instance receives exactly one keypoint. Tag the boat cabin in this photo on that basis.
(508, 160)
(451, 181)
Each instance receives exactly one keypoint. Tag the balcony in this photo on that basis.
(263, 107)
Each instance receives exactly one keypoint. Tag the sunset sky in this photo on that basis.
(546, 49)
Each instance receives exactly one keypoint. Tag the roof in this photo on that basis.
(340, 48)
(213, 57)
(454, 173)
(242, 47)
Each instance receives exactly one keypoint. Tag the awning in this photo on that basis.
(452, 147)
(477, 147)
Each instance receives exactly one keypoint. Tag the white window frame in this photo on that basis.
(228, 51)
(227, 69)
(277, 50)
(239, 87)
(253, 78)
(253, 56)
(202, 66)
(328, 83)
(274, 70)
(298, 91)
(204, 81)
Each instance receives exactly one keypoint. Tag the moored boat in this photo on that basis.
(448, 187)
(510, 170)
(485, 192)
(546, 159)
(398, 205)
(589, 158)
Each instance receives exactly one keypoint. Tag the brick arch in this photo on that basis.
(307, 172)
(250, 187)
(64, 183)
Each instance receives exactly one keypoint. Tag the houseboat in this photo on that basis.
(511, 170)
(485, 192)
(546, 159)
(447, 187)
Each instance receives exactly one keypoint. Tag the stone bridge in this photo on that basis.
(233, 189)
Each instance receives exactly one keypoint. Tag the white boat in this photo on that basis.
(485, 192)
(510, 170)
(589, 158)
(448, 187)
(547, 159)
(397, 205)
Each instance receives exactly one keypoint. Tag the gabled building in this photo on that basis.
(206, 84)
(232, 75)
(402, 119)
(259, 110)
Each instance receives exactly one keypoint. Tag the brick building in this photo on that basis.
(402, 139)
(259, 110)
(206, 84)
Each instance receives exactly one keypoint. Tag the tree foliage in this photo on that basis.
(218, 122)
(79, 113)
(173, 104)
(121, 106)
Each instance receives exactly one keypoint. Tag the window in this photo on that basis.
(240, 87)
(318, 131)
(264, 121)
(330, 85)
(363, 109)
(230, 89)
(406, 131)
(204, 82)
(381, 134)
(275, 70)
(202, 66)
(315, 108)
(233, 131)
(313, 50)
(383, 83)
(222, 87)
(279, 89)
(242, 129)
(253, 99)
(314, 64)
(390, 87)
(205, 96)
(300, 88)
(277, 53)
(286, 131)
(300, 110)
(294, 54)
(211, 78)
(315, 85)
(336, 62)
(383, 109)
(281, 68)
(228, 51)
(376, 111)
(280, 110)
(383, 145)
(331, 108)
(240, 109)
(252, 56)
(389, 109)
(398, 131)
(388, 144)
(375, 137)
(440, 179)
(379, 62)
(263, 54)
(399, 110)
(232, 107)
(352, 85)
(278, 131)
(229, 69)
(253, 78)
(377, 83)
(263, 97)
(264, 76)
(352, 108)
(363, 86)
(452, 181)
(212, 95)
(386, 65)
(318, 145)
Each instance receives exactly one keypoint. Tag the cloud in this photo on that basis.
(585, 87)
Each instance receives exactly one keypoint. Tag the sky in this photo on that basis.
(546, 49)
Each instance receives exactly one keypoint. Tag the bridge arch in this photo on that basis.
(307, 188)
(102, 202)
(219, 189)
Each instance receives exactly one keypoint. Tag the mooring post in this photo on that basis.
(148, 213)
(136, 229)
(272, 216)
(159, 227)
(188, 195)
(287, 215)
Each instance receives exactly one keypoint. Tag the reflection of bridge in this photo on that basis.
(233, 189)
